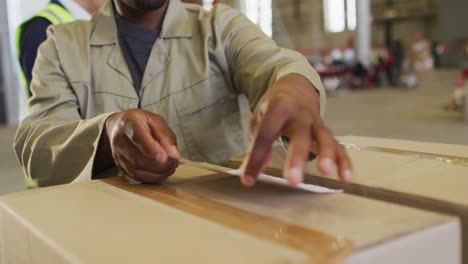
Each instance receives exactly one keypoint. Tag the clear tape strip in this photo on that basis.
(462, 161)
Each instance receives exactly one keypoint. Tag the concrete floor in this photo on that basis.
(414, 114)
(11, 176)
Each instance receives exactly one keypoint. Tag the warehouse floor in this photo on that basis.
(414, 114)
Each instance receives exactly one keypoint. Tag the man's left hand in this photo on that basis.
(291, 108)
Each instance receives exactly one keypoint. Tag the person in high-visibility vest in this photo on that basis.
(32, 33)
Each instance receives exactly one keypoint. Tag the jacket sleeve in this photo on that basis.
(54, 144)
(255, 61)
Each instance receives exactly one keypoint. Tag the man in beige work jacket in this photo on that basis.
(148, 81)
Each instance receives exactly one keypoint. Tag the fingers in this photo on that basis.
(290, 107)
(144, 162)
(344, 164)
(304, 137)
(148, 177)
(299, 148)
(124, 164)
(331, 154)
(139, 133)
(143, 176)
(267, 131)
(162, 133)
(326, 149)
(249, 180)
(141, 144)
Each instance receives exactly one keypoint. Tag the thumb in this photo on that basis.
(164, 135)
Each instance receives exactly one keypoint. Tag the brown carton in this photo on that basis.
(198, 216)
(423, 175)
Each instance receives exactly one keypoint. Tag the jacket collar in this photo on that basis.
(176, 23)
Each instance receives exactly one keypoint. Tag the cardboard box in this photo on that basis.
(199, 216)
(423, 175)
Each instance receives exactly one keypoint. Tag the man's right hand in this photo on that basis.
(142, 145)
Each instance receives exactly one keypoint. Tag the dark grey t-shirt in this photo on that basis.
(136, 43)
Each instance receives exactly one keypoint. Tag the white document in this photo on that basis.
(280, 181)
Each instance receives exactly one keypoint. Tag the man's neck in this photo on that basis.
(149, 19)
(90, 6)
(76, 10)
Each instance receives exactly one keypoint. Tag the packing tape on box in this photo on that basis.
(320, 247)
(462, 161)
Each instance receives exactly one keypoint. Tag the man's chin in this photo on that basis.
(145, 5)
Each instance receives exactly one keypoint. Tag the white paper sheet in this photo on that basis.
(262, 178)
(280, 181)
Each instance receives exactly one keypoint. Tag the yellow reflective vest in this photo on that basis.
(55, 14)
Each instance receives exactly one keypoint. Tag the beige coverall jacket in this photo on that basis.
(198, 66)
